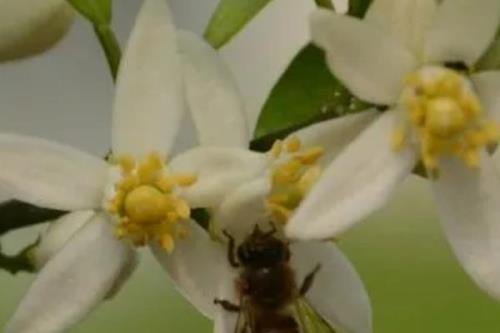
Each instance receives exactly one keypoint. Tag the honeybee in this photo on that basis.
(266, 284)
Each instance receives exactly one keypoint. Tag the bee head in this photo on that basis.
(263, 249)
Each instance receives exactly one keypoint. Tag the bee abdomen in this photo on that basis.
(276, 323)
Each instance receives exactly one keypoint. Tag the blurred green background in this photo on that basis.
(413, 279)
(414, 282)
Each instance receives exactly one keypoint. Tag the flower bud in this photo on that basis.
(29, 27)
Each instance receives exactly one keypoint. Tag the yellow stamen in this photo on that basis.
(167, 243)
(148, 170)
(308, 179)
(288, 172)
(280, 214)
(127, 163)
(185, 180)
(398, 138)
(472, 158)
(311, 155)
(145, 204)
(292, 177)
(182, 209)
(276, 149)
(166, 184)
(293, 145)
(446, 116)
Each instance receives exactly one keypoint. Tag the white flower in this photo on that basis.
(29, 27)
(133, 199)
(416, 58)
(199, 264)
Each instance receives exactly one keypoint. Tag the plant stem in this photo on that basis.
(110, 46)
(21, 262)
(358, 8)
(324, 4)
(15, 264)
(15, 214)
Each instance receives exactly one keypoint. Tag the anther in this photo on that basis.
(445, 115)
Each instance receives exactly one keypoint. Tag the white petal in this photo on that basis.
(128, 268)
(407, 20)
(359, 181)
(74, 282)
(29, 27)
(225, 321)
(58, 233)
(149, 96)
(462, 30)
(487, 85)
(367, 59)
(50, 175)
(244, 207)
(219, 171)
(468, 205)
(334, 135)
(213, 98)
(195, 267)
(337, 292)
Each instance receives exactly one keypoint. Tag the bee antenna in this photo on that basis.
(273, 229)
(256, 230)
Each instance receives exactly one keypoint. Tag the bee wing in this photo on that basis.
(246, 318)
(240, 322)
(309, 319)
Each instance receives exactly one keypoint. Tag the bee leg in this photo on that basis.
(230, 250)
(308, 280)
(227, 305)
(245, 328)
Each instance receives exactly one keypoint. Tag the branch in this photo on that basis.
(358, 8)
(15, 214)
(21, 262)
(324, 4)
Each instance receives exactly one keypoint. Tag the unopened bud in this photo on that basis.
(29, 27)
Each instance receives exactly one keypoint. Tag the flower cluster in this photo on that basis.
(418, 59)
(414, 61)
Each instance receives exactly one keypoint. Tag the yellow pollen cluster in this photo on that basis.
(145, 203)
(295, 173)
(447, 117)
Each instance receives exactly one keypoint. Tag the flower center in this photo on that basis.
(295, 172)
(445, 116)
(146, 205)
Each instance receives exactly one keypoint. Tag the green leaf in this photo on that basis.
(96, 11)
(229, 18)
(491, 59)
(305, 94)
(358, 8)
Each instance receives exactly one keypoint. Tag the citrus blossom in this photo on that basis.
(416, 60)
